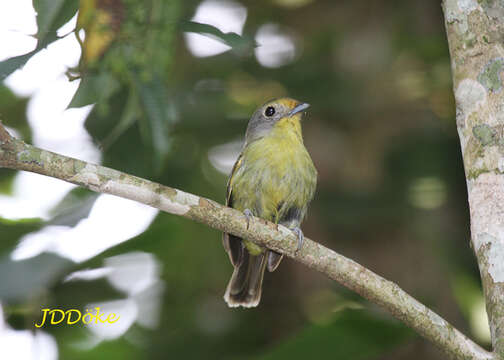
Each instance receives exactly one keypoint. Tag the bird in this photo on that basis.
(273, 178)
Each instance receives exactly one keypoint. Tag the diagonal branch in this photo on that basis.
(16, 154)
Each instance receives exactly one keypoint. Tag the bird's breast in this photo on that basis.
(276, 174)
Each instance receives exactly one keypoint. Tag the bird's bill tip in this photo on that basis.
(299, 108)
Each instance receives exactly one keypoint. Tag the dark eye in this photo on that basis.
(270, 111)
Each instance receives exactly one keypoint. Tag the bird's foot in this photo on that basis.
(300, 237)
(248, 216)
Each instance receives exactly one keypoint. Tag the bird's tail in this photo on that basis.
(244, 288)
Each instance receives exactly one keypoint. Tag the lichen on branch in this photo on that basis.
(15, 154)
(475, 30)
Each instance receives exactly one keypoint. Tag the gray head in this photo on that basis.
(266, 116)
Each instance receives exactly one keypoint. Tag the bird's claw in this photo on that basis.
(300, 237)
(248, 215)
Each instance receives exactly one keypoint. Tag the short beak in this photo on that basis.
(299, 108)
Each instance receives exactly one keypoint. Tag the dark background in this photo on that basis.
(381, 131)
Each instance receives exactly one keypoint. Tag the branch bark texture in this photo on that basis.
(475, 32)
(16, 154)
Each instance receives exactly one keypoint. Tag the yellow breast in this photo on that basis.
(276, 173)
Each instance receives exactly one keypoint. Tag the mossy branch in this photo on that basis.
(16, 154)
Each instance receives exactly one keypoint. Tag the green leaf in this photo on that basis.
(354, 334)
(160, 114)
(75, 206)
(128, 117)
(13, 112)
(13, 230)
(6, 181)
(47, 11)
(65, 14)
(94, 88)
(23, 280)
(240, 44)
(52, 14)
(10, 65)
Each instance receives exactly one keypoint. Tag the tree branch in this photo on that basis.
(15, 154)
(475, 30)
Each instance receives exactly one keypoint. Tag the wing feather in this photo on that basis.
(233, 245)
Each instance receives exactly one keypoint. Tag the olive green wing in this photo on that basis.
(290, 218)
(233, 245)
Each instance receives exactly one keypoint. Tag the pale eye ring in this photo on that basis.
(270, 111)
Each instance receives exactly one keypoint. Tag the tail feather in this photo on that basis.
(244, 288)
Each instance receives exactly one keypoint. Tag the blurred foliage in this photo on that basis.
(75, 206)
(241, 45)
(359, 334)
(12, 108)
(381, 131)
(51, 15)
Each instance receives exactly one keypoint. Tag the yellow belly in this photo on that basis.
(275, 177)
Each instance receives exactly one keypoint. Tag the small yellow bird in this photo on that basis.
(274, 178)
